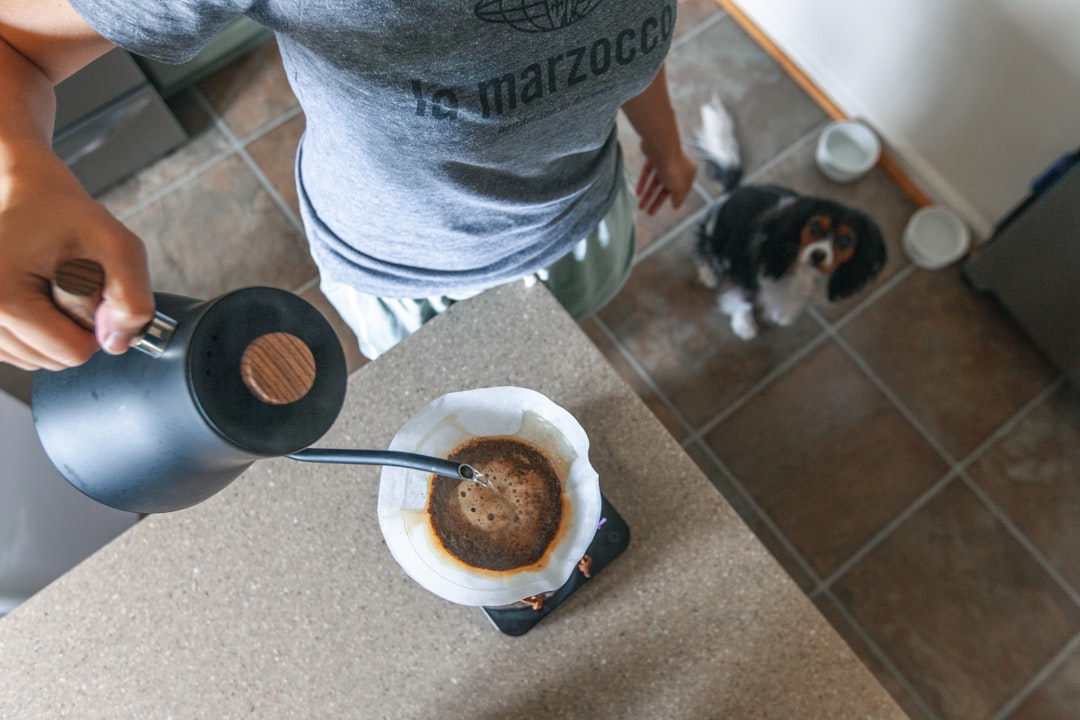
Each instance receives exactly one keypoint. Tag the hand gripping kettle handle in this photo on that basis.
(76, 289)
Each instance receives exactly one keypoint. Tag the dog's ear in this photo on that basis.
(781, 233)
(864, 265)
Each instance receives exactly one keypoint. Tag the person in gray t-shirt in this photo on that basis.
(449, 147)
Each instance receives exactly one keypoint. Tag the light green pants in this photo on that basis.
(583, 280)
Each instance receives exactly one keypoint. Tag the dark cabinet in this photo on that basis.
(1032, 264)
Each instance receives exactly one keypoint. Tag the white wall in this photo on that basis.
(974, 98)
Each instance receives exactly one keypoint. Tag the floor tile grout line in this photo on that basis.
(953, 466)
(793, 147)
(252, 165)
(697, 29)
(271, 125)
(882, 657)
(641, 372)
(873, 296)
(1021, 537)
(233, 145)
(958, 465)
(759, 512)
(958, 468)
(272, 191)
(833, 331)
(893, 398)
(312, 283)
(821, 586)
(193, 174)
(695, 437)
(260, 176)
(1010, 423)
(888, 529)
(759, 386)
(668, 237)
(1059, 659)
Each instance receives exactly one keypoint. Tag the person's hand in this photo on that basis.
(46, 218)
(665, 176)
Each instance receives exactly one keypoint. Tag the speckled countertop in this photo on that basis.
(279, 598)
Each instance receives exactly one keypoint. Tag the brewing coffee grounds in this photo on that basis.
(503, 530)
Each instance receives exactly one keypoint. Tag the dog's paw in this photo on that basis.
(744, 326)
(733, 304)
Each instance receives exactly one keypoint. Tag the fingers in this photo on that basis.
(44, 338)
(651, 204)
(648, 174)
(14, 352)
(35, 333)
(127, 302)
(673, 181)
(47, 219)
(651, 191)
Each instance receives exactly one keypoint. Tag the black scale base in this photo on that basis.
(612, 537)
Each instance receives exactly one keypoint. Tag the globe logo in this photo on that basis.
(535, 15)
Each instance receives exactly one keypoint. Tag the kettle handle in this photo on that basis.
(278, 368)
(76, 289)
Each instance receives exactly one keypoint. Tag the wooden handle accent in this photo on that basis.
(278, 368)
(76, 290)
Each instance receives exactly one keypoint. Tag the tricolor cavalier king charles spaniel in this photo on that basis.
(776, 249)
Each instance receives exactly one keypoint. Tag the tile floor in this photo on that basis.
(908, 456)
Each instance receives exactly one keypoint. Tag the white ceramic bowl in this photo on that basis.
(440, 428)
(935, 237)
(847, 150)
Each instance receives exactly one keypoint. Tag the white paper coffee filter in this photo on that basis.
(440, 428)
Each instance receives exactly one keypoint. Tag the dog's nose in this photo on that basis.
(818, 256)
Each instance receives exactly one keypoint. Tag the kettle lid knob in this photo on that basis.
(278, 368)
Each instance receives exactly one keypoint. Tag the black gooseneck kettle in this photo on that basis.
(219, 384)
(212, 387)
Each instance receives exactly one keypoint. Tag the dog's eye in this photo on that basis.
(845, 240)
(818, 228)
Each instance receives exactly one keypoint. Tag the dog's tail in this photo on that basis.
(718, 145)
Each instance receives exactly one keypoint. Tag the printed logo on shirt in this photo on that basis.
(535, 15)
(567, 78)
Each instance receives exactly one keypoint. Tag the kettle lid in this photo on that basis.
(262, 406)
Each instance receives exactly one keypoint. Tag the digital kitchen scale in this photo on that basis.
(612, 537)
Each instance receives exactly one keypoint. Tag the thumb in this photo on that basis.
(127, 303)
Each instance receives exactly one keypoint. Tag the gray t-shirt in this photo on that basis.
(449, 146)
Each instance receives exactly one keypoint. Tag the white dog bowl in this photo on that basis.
(846, 151)
(935, 237)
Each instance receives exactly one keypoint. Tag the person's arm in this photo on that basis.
(46, 217)
(669, 172)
